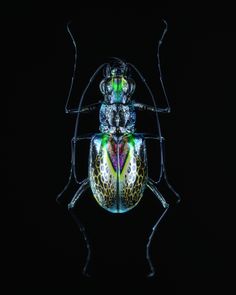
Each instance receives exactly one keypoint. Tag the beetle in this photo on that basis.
(117, 166)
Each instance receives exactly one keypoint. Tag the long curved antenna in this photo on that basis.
(159, 66)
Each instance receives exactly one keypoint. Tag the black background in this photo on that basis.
(194, 246)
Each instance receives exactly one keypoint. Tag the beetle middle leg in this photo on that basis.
(83, 187)
(72, 168)
(163, 173)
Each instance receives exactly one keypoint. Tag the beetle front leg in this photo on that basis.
(85, 109)
(151, 185)
(83, 187)
(144, 107)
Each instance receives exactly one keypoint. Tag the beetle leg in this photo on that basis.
(163, 173)
(152, 136)
(85, 109)
(72, 168)
(83, 187)
(79, 109)
(144, 107)
(152, 187)
(166, 109)
(161, 139)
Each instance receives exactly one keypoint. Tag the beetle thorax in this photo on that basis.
(117, 118)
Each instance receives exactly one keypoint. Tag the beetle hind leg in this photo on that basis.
(83, 187)
(152, 187)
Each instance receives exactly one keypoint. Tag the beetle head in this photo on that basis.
(117, 86)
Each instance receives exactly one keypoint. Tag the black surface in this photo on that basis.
(194, 246)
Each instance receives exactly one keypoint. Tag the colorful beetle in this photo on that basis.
(118, 168)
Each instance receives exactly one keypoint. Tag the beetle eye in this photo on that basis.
(131, 87)
(102, 87)
(125, 85)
